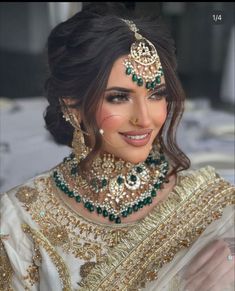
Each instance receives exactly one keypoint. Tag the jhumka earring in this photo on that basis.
(143, 62)
(78, 143)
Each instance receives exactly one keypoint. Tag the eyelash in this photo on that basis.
(123, 97)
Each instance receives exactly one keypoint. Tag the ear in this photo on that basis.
(66, 104)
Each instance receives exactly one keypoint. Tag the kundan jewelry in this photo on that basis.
(112, 187)
(143, 62)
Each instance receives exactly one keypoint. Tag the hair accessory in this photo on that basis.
(143, 62)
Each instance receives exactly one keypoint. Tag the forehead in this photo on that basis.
(119, 78)
(117, 75)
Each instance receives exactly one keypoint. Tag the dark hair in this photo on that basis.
(81, 53)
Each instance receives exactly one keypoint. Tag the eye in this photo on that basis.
(117, 98)
(159, 94)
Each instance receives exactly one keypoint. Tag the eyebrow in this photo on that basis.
(126, 90)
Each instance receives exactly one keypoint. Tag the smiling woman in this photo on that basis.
(122, 211)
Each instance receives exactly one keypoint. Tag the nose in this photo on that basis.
(141, 113)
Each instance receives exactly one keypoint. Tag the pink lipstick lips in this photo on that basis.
(137, 138)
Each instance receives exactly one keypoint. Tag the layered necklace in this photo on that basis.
(112, 187)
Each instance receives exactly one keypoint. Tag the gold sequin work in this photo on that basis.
(117, 257)
(27, 194)
(197, 201)
(6, 271)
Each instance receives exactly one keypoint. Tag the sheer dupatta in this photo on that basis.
(157, 250)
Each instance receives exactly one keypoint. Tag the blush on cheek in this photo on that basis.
(108, 120)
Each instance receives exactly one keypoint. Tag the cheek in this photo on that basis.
(109, 119)
(160, 114)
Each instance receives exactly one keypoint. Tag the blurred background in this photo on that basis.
(204, 34)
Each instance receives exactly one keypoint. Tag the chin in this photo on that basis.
(136, 158)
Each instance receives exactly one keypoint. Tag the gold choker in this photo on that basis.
(113, 188)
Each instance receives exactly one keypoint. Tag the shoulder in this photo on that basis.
(204, 178)
(24, 193)
(205, 189)
(15, 203)
(17, 257)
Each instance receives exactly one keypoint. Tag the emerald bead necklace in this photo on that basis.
(113, 188)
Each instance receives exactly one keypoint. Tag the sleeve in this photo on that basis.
(18, 268)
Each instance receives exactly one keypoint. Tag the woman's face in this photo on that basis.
(124, 101)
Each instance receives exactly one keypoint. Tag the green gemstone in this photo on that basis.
(63, 187)
(145, 201)
(99, 210)
(128, 71)
(120, 180)
(118, 220)
(111, 217)
(134, 77)
(153, 85)
(124, 213)
(158, 79)
(91, 208)
(71, 194)
(133, 178)
(149, 200)
(129, 210)
(139, 170)
(140, 204)
(104, 183)
(105, 213)
(135, 207)
(148, 85)
(78, 198)
(156, 186)
(153, 193)
(140, 82)
(87, 205)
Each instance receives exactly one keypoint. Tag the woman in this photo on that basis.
(121, 212)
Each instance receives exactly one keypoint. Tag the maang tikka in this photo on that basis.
(143, 62)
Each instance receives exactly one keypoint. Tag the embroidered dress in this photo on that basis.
(46, 245)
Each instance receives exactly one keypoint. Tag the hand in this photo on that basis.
(210, 269)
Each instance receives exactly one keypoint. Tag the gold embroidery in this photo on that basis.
(33, 275)
(57, 235)
(86, 268)
(6, 270)
(27, 194)
(33, 269)
(40, 240)
(173, 225)
(63, 228)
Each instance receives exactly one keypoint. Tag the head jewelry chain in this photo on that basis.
(143, 62)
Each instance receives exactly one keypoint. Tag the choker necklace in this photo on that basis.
(113, 188)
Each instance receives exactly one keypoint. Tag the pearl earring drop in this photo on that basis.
(101, 131)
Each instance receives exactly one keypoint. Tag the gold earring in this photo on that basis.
(80, 149)
(78, 144)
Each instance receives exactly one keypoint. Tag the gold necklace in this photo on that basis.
(113, 187)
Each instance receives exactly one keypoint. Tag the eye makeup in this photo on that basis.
(121, 96)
